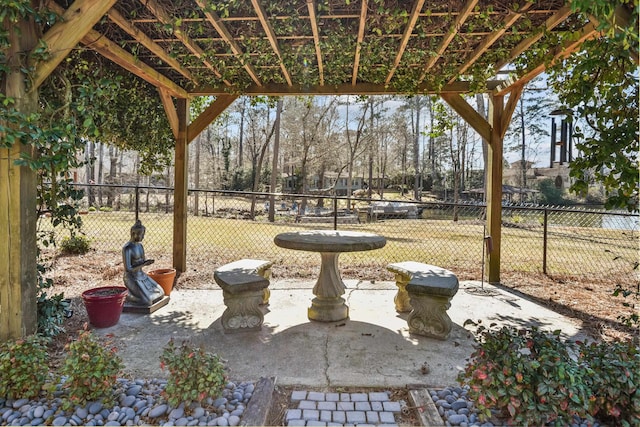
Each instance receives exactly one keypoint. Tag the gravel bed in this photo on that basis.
(140, 402)
(456, 409)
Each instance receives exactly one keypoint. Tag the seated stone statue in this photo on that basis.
(143, 290)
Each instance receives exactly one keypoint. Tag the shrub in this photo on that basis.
(23, 367)
(527, 375)
(91, 371)
(75, 244)
(613, 375)
(51, 314)
(194, 374)
(92, 209)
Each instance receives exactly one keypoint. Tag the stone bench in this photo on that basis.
(243, 286)
(255, 266)
(426, 291)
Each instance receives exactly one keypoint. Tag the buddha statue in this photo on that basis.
(143, 290)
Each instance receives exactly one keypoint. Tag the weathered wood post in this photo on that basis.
(18, 276)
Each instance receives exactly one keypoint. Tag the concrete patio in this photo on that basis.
(371, 349)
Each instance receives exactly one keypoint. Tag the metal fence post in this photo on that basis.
(137, 201)
(335, 213)
(544, 242)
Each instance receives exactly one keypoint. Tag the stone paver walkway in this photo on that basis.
(311, 408)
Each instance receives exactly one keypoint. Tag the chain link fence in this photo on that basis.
(224, 226)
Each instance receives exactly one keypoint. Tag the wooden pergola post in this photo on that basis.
(181, 181)
(494, 188)
(18, 250)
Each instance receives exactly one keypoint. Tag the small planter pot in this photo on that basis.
(104, 305)
(164, 277)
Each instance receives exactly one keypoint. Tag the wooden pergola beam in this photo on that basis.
(446, 41)
(361, 27)
(147, 42)
(341, 89)
(311, 7)
(205, 118)
(190, 44)
(116, 54)
(170, 110)
(217, 23)
(561, 52)
(512, 103)
(508, 21)
(469, 114)
(413, 18)
(271, 36)
(553, 21)
(66, 34)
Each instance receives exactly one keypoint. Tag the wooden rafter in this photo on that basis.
(190, 44)
(413, 18)
(509, 20)
(311, 6)
(65, 35)
(217, 23)
(147, 42)
(448, 38)
(356, 60)
(553, 21)
(115, 53)
(271, 35)
(561, 52)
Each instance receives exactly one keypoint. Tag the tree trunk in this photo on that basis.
(416, 153)
(100, 179)
(274, 163)
(196, 177)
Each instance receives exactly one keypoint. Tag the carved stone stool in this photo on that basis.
(430, 293)
(257, 266)
(243, 293)
(404, 271)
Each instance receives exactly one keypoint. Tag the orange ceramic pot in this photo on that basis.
(164, 277)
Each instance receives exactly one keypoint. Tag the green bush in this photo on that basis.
(91, 369)
(106, 209)
(194, 374)
(51, 314)
(529, 376)
(613, 375)
(23, 367)
(76, 245)
(92, 209)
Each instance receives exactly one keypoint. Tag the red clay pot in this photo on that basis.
(104, 305)
(164, 277)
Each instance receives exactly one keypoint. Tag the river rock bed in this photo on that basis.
(139, 402)
(456, 409)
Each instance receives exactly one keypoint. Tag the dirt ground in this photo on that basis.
(589, 301)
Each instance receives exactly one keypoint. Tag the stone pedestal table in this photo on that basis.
(328, 305)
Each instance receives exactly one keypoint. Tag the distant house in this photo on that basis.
(337, 183)
(558, 173)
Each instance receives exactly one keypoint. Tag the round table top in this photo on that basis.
(329, 241)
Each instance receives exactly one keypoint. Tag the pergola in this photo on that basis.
(224, 49)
